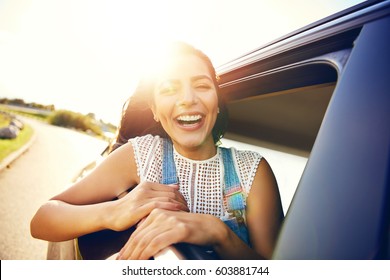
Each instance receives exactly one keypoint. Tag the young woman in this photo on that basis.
(220, 198)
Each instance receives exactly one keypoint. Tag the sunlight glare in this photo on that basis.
(87, 55)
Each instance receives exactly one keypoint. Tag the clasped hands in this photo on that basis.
(162, 217)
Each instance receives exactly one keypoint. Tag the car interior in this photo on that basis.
(286, 121)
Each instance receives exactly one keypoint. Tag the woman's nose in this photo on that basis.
(187, 97)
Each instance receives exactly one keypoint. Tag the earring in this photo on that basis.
(218, 110)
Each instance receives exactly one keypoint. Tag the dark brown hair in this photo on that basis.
(137, 117)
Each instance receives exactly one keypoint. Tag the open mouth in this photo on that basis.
(189, 119)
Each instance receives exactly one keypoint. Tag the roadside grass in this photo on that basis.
(8, 146)
(4, 121)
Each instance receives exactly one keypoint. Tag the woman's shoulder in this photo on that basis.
(244, 155)
(246, 162)
(147, 153)
(145, 140)
(146, 146)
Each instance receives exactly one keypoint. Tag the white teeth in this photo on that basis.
(189, 118)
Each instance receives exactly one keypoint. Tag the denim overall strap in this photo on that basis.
(169, 175)
(232, 191)
(234, 197)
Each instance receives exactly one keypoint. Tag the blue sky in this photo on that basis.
(84, 55)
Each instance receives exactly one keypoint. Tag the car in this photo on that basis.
(323, 92)
(319, 99)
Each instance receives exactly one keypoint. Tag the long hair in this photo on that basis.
(137, 117)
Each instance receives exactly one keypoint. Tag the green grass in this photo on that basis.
(4, 121)
(9, 146)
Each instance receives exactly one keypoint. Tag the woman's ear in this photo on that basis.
(153, 109)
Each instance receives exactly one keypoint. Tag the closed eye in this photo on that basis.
(167, 90)
(203, 86)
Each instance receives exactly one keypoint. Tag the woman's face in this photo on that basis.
(186, 104)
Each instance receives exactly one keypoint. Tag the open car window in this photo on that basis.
(282, 125)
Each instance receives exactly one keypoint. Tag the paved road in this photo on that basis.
(55, 157)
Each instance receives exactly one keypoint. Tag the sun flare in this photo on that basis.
(87, 55)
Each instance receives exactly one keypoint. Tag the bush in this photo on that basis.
(74, 120)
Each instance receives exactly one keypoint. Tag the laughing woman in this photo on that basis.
(174, 181)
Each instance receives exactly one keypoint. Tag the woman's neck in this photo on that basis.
(203, 152)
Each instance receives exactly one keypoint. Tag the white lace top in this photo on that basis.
(201, 182)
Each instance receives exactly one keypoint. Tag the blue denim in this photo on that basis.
(169, 175)
(232, 191)
(234, 197)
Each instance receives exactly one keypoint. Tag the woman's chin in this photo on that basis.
(193, 143)
(190, 144)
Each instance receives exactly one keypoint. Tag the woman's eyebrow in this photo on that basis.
(168, 81)
(177, 81)
(201, 77)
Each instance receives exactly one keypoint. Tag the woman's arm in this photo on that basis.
(163, 228)
(264, 211)
(264, 217)
(79, 209)
(88, 205)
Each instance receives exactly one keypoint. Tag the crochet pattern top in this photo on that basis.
(201, 182)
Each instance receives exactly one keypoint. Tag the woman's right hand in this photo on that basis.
(141, 200)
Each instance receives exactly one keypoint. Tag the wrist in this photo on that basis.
(228, 245)
(221, 234)
(106, 217)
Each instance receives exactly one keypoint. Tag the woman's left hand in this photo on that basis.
(163, 228)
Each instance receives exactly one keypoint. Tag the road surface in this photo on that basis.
(55, 157)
